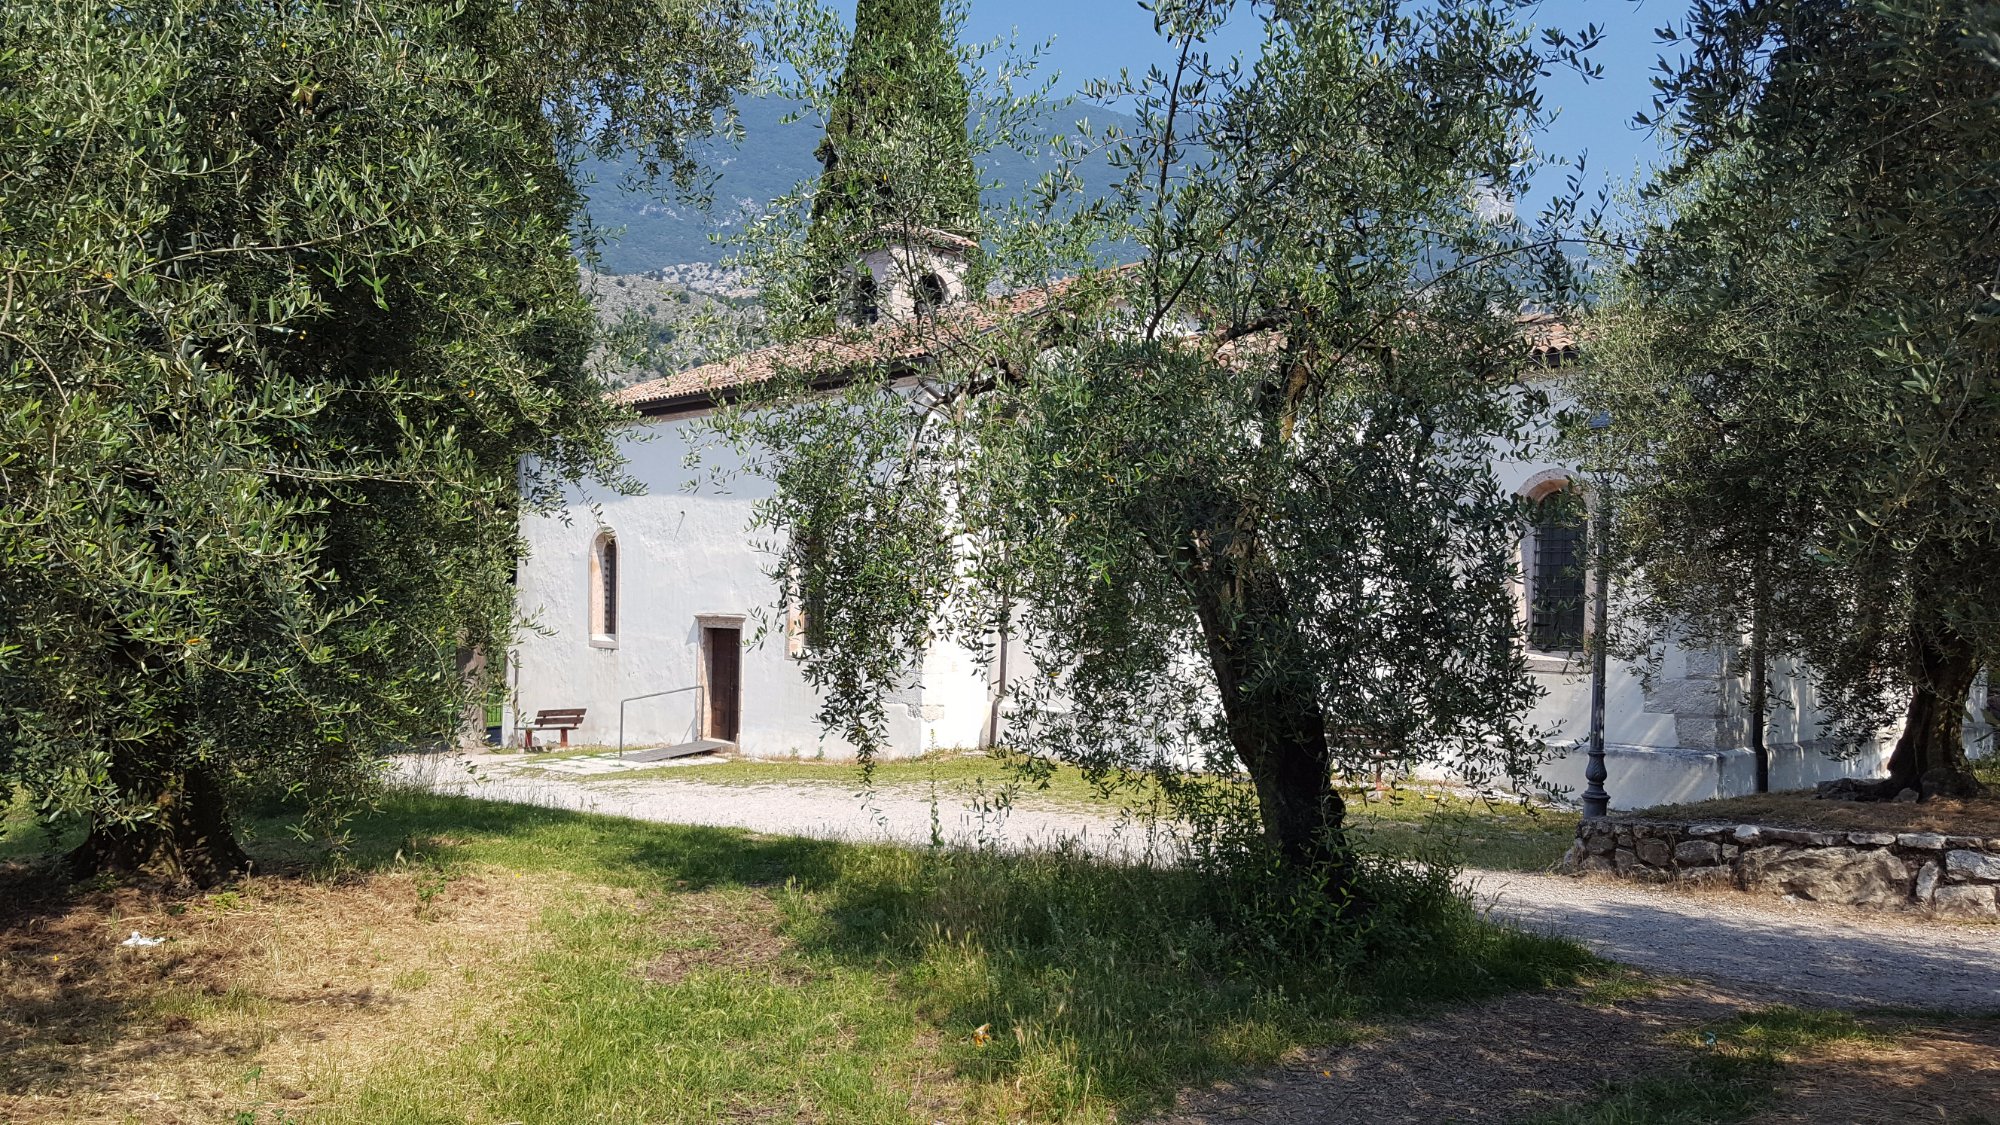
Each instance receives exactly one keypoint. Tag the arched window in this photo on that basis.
(1556, 589)
(604, 588)
(867, 306)
(930, 294)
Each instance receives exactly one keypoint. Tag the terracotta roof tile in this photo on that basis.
(1546, 332)
(909, 341)
(884, 342)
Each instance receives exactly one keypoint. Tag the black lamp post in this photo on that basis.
(1597, 802)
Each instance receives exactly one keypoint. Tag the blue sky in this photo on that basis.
(1094, 38)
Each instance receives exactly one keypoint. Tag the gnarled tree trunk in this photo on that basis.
(187, 833)
(1275, 723)
(1930, 755)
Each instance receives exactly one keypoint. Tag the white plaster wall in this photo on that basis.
(958, 698)
(682, 553)
(1644, 776)
(686, 549)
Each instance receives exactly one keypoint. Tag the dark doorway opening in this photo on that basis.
(723, 654)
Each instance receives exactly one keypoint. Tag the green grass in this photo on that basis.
(1101, 989)
(20, 836)
(1500, 836)
(953, 772)
(1493, 835)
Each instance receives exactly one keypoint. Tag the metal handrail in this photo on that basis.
(637, 698)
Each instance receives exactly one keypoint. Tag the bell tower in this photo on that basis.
(898, 199)
(909, 274)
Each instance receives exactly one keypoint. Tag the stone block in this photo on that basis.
(1655, 853)
(1706, 664)
(1968, 866)
(1708, 877)
(1598, 865)
(1802, 837)
(1841, 875)
(1698, 853)
(1692, 699)
(1872, 839)
(1969, 901)
(1730, 851)
(1927, 880)
(1701, 731)
(1625, 859)
(1963, 842)
(1710, 831)
(1908, 797)
(1921, 841)
(1600, 844)
(1748, 834)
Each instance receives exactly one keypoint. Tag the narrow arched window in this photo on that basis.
(930, 294)
(604, 588)
(1556, 588)
(867, 306)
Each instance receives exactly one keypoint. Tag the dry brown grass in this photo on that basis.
(1946, 1072)
(730, 931)
(1980, 817)
(259, 995)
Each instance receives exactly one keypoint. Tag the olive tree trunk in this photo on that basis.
(1275, 720)
(186, 834)
(1930, 755)
(1760, 683)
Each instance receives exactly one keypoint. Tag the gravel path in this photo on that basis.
(1819, 955)
(1810, 954)
(823, 811)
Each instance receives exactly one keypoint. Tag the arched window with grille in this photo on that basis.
(1556, 586)
(604, 587)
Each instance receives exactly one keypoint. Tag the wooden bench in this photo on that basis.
(564, 719)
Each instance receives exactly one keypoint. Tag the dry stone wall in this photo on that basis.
(1950, 876)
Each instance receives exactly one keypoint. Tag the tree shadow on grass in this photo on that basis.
(1054, 981)
(413, 827)
(1128, 981)
(1057, 975)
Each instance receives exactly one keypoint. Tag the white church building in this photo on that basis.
(656, 615)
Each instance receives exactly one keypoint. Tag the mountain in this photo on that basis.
(644, 232)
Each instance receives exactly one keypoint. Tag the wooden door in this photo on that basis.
(725, 681)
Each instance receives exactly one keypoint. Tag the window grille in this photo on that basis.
(1556, 609)
(867, 309)
(608, 575)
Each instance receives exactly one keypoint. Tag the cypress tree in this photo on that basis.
(895, 152)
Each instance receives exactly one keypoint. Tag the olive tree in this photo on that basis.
(1807, 340)
(1220, 456)
(286, 293)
